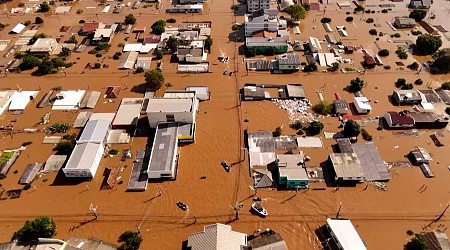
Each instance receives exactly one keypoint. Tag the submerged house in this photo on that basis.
(291, 172)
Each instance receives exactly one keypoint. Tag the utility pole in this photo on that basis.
(339, 211)
(94, 210)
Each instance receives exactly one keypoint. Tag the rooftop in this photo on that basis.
(95, 131)
(289, 59)
(69, 99)
(164, 147)
(373, 167)
(346, 165)
(346, 234)
(421, 154)
(217, 237)
(400, 119)
(291, 166)
(423, 116)
(44, 45)
(83, 155)
(263, 41)
(198, 52)
(89, 27)
(363, 102)
(152, 39)
(269, 242)
(128, 112)
(156, 105)
(409, 94)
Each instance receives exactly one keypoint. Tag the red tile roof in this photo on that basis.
(400, 119)
(152, 39)
(89, 27)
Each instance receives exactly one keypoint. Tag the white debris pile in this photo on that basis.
(296, 109)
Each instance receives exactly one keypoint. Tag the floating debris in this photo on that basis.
(381, 186)
(296, 109)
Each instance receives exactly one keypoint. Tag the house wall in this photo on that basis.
(288, 67)
(361, 110)
(90, 168)
(388, 119)
(254, 5)
(335, 239)
(154, 118)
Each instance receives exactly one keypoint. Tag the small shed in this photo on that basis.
(341, 107)
(362, 105)
(262, 178)
(295, 91)
(54, 163)
(90, 100)
(112, 92)
(30, 173)
(144, 62)
(82, 119)
(18, 28)
(128, 60)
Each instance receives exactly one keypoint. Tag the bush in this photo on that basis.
(72, 39)
(408, 86)
(159, 55)
(246, 120)
(365, 135)
(2, 176)
(325, 20)
(171, 20)
(117, 55)
(387, 67)
(113, 152)
(418, 15)
(418, 82)
(447, 110)
(81, 21)
(296, 125)
(27, 143)
(44, 7)
(383, 52)
(311, 67)
(351, 128)
(98, 55)
(59, 127)
(277, 132)
(139, 70)
(250, 52)
(79, 11)
(401, 53)
(97, 65)
(41, 227)
(413, 66)
(359, 8)
(400, 82)
(384, 11)
(27, 22)
(236, 27)
(349, 19)
(130, 241)
(416, 32)
(446, 85)
(323, 108)
(373, 32)
(38, 20)
(369, 20)
(410, 232)
(20, 5)
(397, 35)
(27, 186)
(315, 128)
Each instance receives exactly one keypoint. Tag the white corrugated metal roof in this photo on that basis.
(132, 47)
(18, 28)
(83, 155)
(70, 101)
(95, 131)
(217, 237)
(170, 105)
(129, 111)
(346, 234)
(128, 60)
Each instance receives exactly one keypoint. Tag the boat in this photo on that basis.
(259, 209)
(225, 166)
(182, 206)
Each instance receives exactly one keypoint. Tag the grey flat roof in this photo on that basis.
(95, 131)
(345, 146)
(82, 119)
(170, 105)
(137, 181)
(289, 166)
(30, 172)
(129, 111)
(346, 165)
(274, 241)
(90, 99)
(289, 59)
(372, 164)
(54, 163)
(295, 91)
(164, 147)
(254, 92)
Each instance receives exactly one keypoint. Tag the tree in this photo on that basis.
(383, 52)
(325, 20)
(35, 37)
(323, 108)
(159, 55)
(65, 52)
(117, 55)
(315, 127)
(154, 79)
(369, 20)
(427, 44)
(41, 227)
(130, 19)
(445, 85)
(296, 12)
(44, 7)
(172, 44)
(59, 127)
(373, 32)
(334, 67)
(171, 20)
(400, 82)
(356, 85)
(250, 52)
(366, 136)
(38, 20)
(351, 128)
(158, 27)
(447, 110)
(72, 39)
(349, 19)
(130, 241)
(208, 43)
(441, 63)
(417, 243)
(418, 82)
(29, 62)
(139, 70)
(401, 53)
(311, 67)
(277, 132)
(418, 15)
(413, 66)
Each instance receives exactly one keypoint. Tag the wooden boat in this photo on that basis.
(225, 166)
(259, 209)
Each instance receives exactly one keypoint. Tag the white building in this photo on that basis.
(263, 20)
(344, 234)
(254, 5)
(68, 100)
(362, 105)
(218, 237)
(44, 47)
(88, 151)
(164, 155)
(5, 99)
(171, 110)
(20, 100)
(314, 45)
